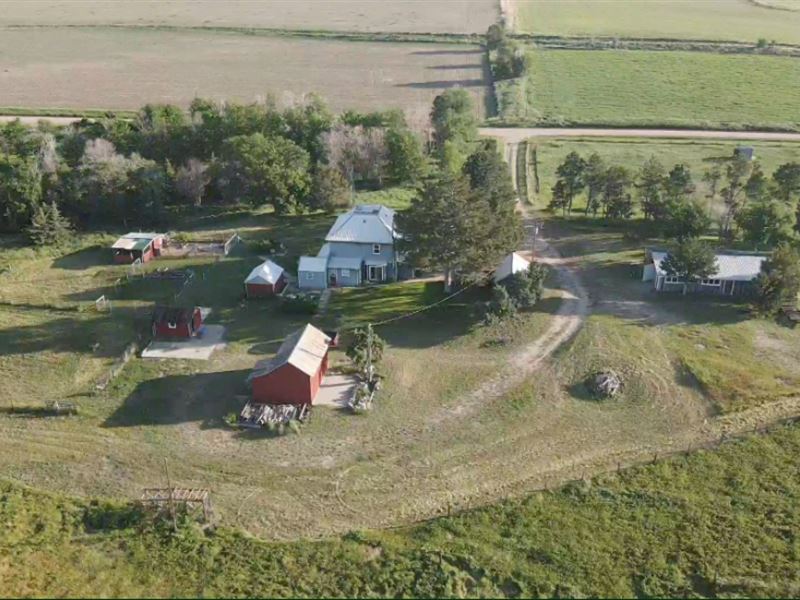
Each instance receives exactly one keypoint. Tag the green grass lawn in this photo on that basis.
(699, 155)
(658, 89)
(720, 523)
(733, 20)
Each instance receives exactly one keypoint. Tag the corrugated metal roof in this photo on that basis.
(266, 272)
(343, 262)
(731, 267)
(313, 264)
(304, 349)
(513, 263)
(364, 224)
(132, 240)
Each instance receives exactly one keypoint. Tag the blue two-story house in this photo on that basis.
(358, 249)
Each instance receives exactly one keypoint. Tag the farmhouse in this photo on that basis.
(513, 263)
(176, 322)
(137, 246)
(294, 374)
(267, 279)
(358, 249)
(735, 273)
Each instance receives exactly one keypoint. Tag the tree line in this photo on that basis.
(760, 210)
(124, 172)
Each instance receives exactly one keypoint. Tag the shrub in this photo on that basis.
(300, 304)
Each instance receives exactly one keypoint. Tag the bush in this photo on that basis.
(525, 288)
(300, 304)
(266, 246)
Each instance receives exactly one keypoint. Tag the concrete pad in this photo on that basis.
(196, 348)
(336, 390)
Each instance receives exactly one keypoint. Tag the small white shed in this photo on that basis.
(513, 263)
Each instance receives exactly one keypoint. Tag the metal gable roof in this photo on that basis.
(731, 267)
(313, 264)
(135, 240)
(364, 224)
(266, 272)
(305, 349)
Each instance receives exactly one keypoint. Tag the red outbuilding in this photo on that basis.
(173, 322)
(294, 374)
(267, 279)
(137, 246)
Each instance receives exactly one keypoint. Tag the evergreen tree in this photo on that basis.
(525, 288)
(766, 223)
(48, 227)
(779, 281)
(595, 179)
(571, 172)
(687, 219)
(650, 185)
(617, 201)
(449, 227)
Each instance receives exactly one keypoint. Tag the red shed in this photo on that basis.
(267, 279)
(294, 374)
(172, 322)
(141, 246)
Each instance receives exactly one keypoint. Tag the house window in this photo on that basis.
(672, 279)
(345, 273)
(309, 275)
(714, 282)
(376, 248)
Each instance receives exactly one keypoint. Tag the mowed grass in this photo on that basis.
(733, 20)
(123, 68)
(716, 523)
(176, 409)
(670, 344)
(662, 89)
(698, 155)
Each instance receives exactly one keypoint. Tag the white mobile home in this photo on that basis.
(735, 274)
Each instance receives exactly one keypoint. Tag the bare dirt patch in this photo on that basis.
(123, 69)
(434, 16)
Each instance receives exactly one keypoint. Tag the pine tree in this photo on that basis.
(48, 227)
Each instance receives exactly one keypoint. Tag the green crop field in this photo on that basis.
(716, 524)
(698, 155)
(735, 20)
(658, 89)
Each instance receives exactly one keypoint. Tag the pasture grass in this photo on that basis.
(659, 89)
(721, 20)
(716, 523)
(698, 155)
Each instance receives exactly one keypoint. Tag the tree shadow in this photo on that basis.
(443, 83)
(455, 67)
(101, 337)
(447, 52)
(176, 399)
(83, 259)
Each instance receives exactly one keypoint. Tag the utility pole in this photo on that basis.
(369, 352)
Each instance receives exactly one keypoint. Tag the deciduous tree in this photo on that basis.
(779, 281)
(690, 261)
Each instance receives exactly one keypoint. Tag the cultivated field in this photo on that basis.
(118, 68)
(734, 20)
(698, 155)
(435, 16)
(660, 89)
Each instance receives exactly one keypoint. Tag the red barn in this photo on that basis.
(294, 374)
(172, 322)
(267, 279)
(133, 246)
